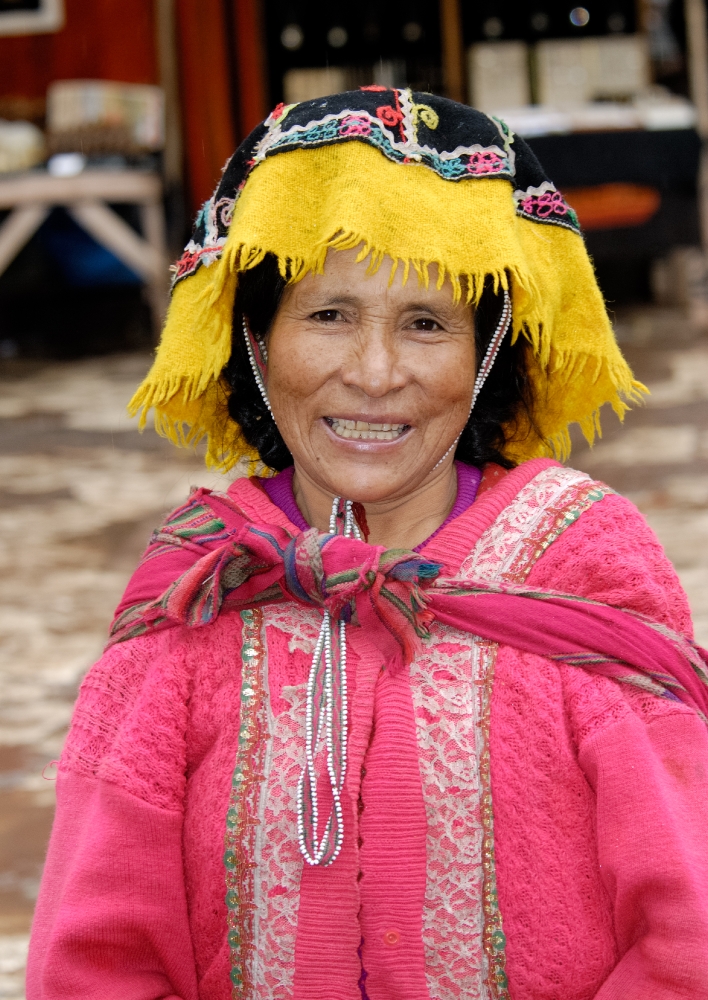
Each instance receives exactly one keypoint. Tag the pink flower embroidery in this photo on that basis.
(484, 163)
(355, 125)
(544, 205)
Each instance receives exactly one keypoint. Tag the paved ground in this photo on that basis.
(80, 490)
(659, 459)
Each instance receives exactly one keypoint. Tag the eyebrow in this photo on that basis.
(343, 300)
(339, 300)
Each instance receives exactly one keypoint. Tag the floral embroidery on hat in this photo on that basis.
(400, 128)
(546, 204)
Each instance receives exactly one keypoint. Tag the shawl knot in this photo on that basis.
(334, 572)
(352, 580)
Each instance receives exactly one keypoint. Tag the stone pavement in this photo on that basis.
(80, 491)
(659, 458)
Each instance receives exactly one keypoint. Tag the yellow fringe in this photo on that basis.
(303, 204)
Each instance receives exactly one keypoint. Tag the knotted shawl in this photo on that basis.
(395, 594)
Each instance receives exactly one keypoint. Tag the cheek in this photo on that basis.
(295, 369)
(449, 378)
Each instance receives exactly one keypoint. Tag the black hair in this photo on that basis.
(504, 397)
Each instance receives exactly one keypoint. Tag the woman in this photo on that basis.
(419, 716)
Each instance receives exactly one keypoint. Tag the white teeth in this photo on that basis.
(361, 430)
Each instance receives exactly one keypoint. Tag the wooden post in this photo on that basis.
(697, 46)
(453, 50)
(19, 227)
(697, 55)
(642, 15)
(165, 31)
(251, 72)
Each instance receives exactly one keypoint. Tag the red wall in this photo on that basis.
(102, 39)
(207, 117)
(115, 40)
(250, 60)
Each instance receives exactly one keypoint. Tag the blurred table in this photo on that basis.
(665, 159)
(86, 197)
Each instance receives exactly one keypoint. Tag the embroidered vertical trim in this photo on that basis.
(445, 695)
(278, 862)
(508, 550)
(244, 801)
(493, 938)
(465, 955)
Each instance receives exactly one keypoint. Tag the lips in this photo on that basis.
(364, 430)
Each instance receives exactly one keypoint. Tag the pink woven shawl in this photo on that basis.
(205, 561)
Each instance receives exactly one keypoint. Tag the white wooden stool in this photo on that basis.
(86, 197)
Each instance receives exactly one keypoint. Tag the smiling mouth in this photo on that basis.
(362, 430)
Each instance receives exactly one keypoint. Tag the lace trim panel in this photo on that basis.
(264, 865)
(464, 944)
(452, 689)
(301, 625)
(278, 860)
(539, 514)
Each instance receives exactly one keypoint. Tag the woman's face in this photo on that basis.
(369, 384)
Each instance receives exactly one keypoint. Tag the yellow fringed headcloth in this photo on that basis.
(417, 179)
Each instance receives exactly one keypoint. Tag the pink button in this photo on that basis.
(391, 938)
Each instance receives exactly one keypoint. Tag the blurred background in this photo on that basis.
(115, 121)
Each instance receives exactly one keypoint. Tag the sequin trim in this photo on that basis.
(241, 824)
(493, 938)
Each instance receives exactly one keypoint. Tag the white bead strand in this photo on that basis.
(320, 712)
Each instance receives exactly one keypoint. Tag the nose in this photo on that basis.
(373, 363)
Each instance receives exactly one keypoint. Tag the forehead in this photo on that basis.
(346, 274)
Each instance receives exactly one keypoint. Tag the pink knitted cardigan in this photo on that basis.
(525, 829)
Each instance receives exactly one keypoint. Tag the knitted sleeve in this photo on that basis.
(650, 779)
(111, 919)
(646, 761)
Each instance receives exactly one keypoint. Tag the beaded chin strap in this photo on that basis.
(326, 718)
(488, 360)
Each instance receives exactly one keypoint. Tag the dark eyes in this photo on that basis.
(424, 323)
(327, 315)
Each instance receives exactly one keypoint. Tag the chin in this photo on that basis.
(366, 486)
